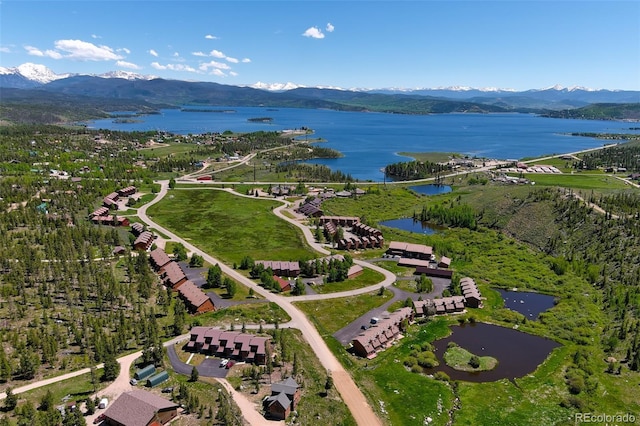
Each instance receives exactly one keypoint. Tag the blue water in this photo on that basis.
(431, 189)
(370, 141)
(411, 225)
(531, 305)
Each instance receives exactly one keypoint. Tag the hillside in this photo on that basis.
(602, 111)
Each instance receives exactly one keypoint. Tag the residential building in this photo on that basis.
(381, 335)
(231, 344)
(284, 398)
(416, 251)
(143, 241)
(140, 408)
(196, 301)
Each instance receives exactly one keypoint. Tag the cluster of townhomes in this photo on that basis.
(173, 276)
(101, 215)
(230, 344)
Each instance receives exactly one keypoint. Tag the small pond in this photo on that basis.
(431, 189)
(531, 305)
(412, 225)
(518, 353)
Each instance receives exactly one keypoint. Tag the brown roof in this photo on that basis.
(159, 257)
(192, 294)
(137, 408)
(173, 273)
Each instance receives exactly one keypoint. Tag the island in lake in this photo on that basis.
(260, 120)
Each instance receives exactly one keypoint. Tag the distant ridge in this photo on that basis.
(151, 89)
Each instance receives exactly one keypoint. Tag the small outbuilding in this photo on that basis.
(145, 372)
(156, 379)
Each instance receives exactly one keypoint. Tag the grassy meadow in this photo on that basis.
(230, 227)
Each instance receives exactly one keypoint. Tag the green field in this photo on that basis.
(333, 314)
(577, 181)
(367, 278)
(230, 227)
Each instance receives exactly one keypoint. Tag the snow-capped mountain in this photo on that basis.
(28, 75)
(127, 75)
(275, 87)
(32, 75)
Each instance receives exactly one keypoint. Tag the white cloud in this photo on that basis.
(5, 50)
(210, 37)
(53, 54)
(232, 60)
(215, 65)
(199, 54)
(172, 67)
(217, 72)
(233, 74)
(84, 51)
(176, 55)
(330, 27)
(313, 32)
(130, 65)
(95, 36)
(246, 60)
(125, 50)
(153, 53)
(217, 54)
(34, 51)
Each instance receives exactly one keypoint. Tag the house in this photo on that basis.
(118, 250)
(172, 275)
(143, 241)
(158, 258)
(195, 300)
(110, 220)
(136, 228)
(140, 408)
(354, 271)
(284, 398)
(232, 344)
(99, 212)
(126, 192)
(433, 272)
(285, 285)
(381, 335)
(416, 251)
(444, 262)
(470, 292)
(282, 269)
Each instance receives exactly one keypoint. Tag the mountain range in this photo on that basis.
(33, 81)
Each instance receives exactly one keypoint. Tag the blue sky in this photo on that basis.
(348, 44)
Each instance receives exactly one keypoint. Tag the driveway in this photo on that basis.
(346, 334)
(210, 367)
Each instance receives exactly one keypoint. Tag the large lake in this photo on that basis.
(370, 141)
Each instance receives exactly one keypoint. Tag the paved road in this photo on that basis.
(346, 334)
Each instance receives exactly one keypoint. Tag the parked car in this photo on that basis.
(224, 362)
(167, 390)
(98, 419)
(103, 403)
(229, 364)
(133, 382)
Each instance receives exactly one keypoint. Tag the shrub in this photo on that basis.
(441, 375)
(474, 361)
